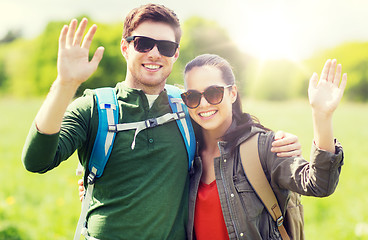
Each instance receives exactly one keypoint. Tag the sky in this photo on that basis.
(267, 29)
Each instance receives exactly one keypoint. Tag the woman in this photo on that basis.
(217, 209)
(222, 202)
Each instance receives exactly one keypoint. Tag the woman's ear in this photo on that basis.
(234, 93)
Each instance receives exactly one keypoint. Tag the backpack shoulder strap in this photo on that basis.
(108, 115)
(184, 124)
(253, 170)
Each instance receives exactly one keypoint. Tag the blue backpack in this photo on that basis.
(108, 126)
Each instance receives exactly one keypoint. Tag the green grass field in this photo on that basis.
(34, 206)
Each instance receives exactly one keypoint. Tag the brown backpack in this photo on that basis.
(291, 226)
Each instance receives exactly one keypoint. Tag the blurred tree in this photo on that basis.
(32, 64)
(3, 76)
(11, 36)
(204, 36)
(272, 80)
(359, 91)
(110, 70)
(44, 60)
(12, 233)
(28, 67)
(16, 58)
(354, 59)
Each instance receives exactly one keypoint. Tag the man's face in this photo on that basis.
(148, 71)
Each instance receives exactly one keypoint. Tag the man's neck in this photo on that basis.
(152, 90)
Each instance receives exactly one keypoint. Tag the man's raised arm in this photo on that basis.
(74, 68)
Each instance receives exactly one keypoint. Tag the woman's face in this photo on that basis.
(208, 116)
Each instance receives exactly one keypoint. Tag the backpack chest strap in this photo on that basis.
(149, 123)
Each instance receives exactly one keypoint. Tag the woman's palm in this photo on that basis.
(325, 94)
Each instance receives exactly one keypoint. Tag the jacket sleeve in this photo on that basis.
(42, 152)
(318, 178)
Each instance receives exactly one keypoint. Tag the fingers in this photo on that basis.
(81, 193)
(337, 77)
(326, 69)
(334, 77)
(286, 148)
(80, 31)
(343, 82)
(81, 189)
(286, 145)
(80, 182)
(97, 56)
(62, 37)
(295, 153)
(313, 81)
(331, 71)
(286, 139)
(71, 36)
(89, 36)
(279, 135)
(71, 31)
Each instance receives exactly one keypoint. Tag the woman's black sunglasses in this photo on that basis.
(213, 95)
(145, 44)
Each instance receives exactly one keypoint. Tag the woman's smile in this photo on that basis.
(207, 114)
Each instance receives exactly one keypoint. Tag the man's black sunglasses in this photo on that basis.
(145, 44)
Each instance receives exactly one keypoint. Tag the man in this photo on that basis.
(143, 193)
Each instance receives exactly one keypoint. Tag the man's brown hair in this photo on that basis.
(154, 13)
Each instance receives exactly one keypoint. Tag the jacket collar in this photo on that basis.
(247, 133)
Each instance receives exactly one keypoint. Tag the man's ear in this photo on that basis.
(124, 45)
(176, 55)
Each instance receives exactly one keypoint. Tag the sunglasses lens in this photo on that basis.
(146, 44)
(191, 98)
(143, 44)
(167, 48)
(214, 94)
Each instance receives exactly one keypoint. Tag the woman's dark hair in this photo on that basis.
(244, 120)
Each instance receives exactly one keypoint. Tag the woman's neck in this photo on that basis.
(212, 136)
(210, 140)
(210, 150)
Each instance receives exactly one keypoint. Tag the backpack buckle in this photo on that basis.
(91, 178)
(280, 221)
(150, 123)
(180, 114)
(113, 128)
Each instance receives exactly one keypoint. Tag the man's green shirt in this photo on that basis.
(143, 193)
